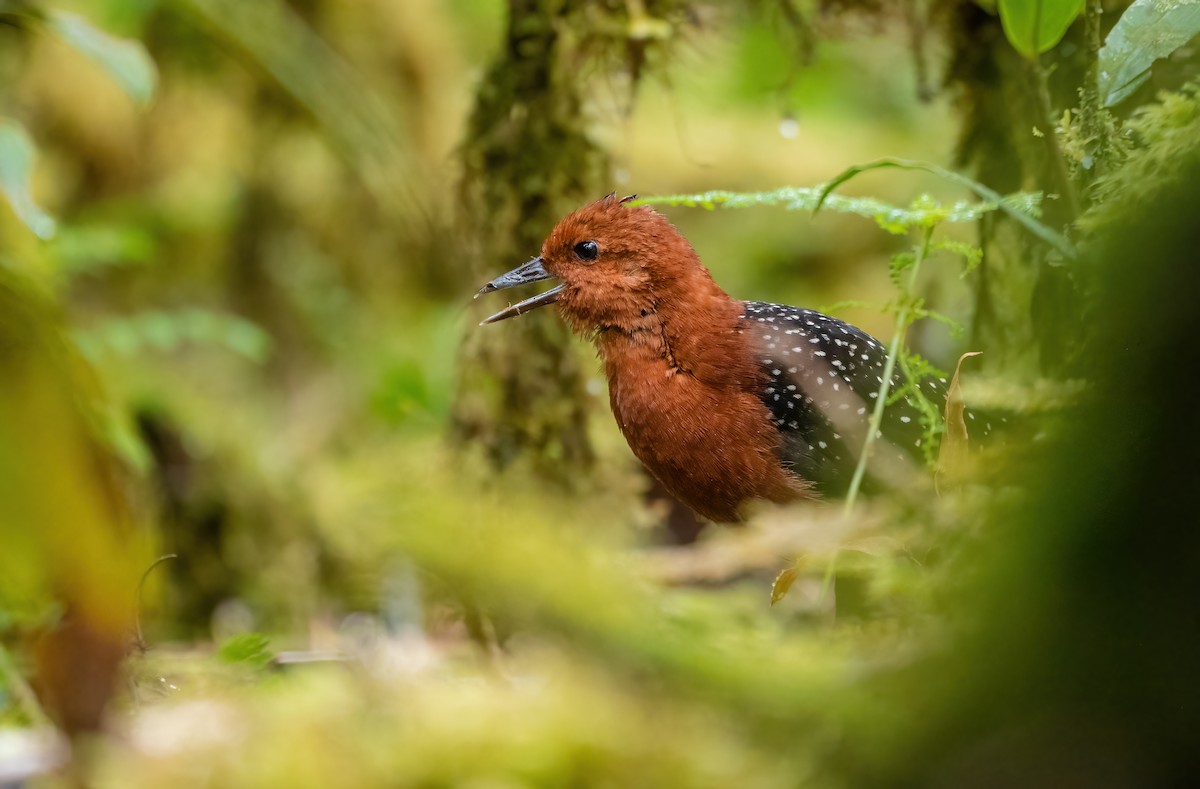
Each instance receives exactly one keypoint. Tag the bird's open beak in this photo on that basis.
(533, 271)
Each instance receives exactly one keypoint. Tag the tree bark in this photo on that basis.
(527, 162)
(1025, 301)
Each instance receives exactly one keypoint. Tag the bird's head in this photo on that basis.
(616, 265)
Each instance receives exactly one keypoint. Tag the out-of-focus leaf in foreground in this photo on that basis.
(524, 555)
(16, 165)
(125, 60)
(571, 726)
(278, 40)
(64, 522)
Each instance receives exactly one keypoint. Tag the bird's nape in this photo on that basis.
(533, 271)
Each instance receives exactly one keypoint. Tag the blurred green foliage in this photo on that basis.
(235, 270)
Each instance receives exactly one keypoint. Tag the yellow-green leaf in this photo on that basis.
(16, 165)
(126, 61)
(784, 581)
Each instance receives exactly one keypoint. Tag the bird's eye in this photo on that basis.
(587, 250)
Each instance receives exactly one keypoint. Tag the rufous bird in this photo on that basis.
(724, 401)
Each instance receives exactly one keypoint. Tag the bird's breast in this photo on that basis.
(712, 444)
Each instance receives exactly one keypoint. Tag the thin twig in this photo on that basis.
(137, 607)
(873, 428)
(1090, 109)
(1057, 160)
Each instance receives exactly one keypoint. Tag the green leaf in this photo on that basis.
(16, 163)
(249, 649)
(892, 218)
(126, 61)
(1034, 26)
(92, 248)
(956, 328)
(168, 331)
(1019, 207)
(1147, 31)
(972, 254)
(899, 263)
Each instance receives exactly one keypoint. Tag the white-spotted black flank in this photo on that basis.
(822, 375)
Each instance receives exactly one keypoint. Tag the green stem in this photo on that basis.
(873, 428)
(1057, 160)
(1090, 110)
(1042, 231)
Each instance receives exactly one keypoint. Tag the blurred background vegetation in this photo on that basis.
(238, 244)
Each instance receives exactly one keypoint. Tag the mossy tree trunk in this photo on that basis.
(528, 161)
(1027, 306)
